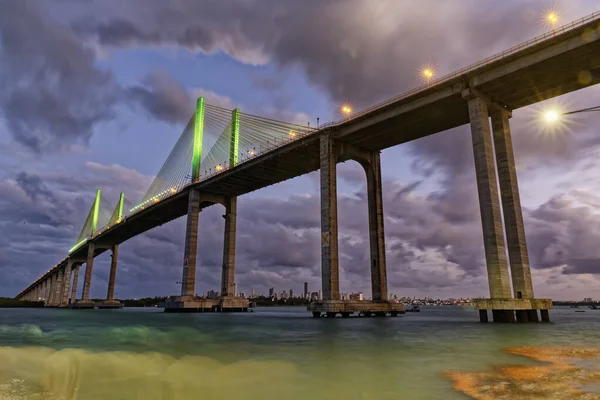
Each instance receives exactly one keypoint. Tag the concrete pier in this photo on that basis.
(110, 302)
(330, 153)
(75, 283)
(85, 302)
(191, 304)
(229, 302)
(64, 296)
(511, 206)
(346, 308)
(489, 199)
(523, 307)
(376, 232)
(188, 279)
(330, 275)
(52, 291)
(228, 270)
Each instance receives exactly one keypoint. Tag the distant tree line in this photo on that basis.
(7, 302)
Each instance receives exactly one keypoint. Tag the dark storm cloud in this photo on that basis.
(337, 43)
(163, 97)
(51, 92)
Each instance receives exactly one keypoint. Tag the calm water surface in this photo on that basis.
(280, 353)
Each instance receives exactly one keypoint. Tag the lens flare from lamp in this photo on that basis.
(550, 17)
(551, 116)
(552, 129)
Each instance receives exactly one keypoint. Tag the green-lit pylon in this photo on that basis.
(235, 138)
(95, 212)
(90, 225)
(198, 133)
(120, 207)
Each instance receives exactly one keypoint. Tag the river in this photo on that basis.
(284, 353)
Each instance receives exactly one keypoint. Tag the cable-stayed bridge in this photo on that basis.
(223, 154)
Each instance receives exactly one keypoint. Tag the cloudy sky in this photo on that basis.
(94, 93)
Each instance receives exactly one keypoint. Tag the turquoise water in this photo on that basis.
(280, 353)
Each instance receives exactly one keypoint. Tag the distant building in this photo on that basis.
(235, 292)
(252, 293)
(306, 290)
(587, 299)
(320, 295)
(291, 293)
(356, 296)
(271, 292)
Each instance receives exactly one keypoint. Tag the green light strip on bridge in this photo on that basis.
(198, 133)
(235, 138)
(120, 206)
(96, 210)
(78, 245)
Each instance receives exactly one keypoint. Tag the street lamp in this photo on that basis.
(346, 109)
(554, 122)
(554, 116)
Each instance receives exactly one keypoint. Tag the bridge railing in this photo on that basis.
(565, 28)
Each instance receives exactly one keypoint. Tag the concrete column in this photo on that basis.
(489, 202)
(89, 267)
(75, 283)
(51, 289)
(228, 272)
(329, 231)
(59, 287)
(188, 279)
(110, 295)
(376, 232)
(511, 206)
(66, 291)
(44, 286)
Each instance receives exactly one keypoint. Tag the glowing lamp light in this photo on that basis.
(250, 152)
(551, 116)
(292, 134)
(427, 73)
(552, 18)
(173, 190)
(346, 109)
(218, 167)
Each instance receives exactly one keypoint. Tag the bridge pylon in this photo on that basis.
(188, 301)
(493, 153)
(333, 151)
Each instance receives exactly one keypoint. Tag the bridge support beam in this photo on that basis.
(66, 290)
(85, 302)
(376, 232)
(503, 305)
(75, 284)
(110, 301)
(188, 279)
(330, 153)
(50, 280)
(489, 200)
(229, 300)
(511, 206)
(330, 275)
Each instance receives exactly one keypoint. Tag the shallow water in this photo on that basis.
(275, 352)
